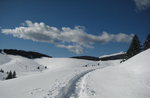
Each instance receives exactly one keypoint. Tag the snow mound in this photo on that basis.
(130, 79)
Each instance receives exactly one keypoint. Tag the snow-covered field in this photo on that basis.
(75, 78)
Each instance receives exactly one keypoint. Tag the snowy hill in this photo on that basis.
(4, 59)
(2, 76)
(19, 64)
(131, 79)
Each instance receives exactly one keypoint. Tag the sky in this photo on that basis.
(66, 28)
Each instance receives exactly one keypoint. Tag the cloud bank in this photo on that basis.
(142, 4)
(74, 39)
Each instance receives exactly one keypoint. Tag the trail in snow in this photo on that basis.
(69, 90)
(83, 89)
(76, 86)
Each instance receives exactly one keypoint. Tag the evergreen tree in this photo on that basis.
(2, 70)
(9, 75)
(14, 75)
(147, 42)
(134, 48)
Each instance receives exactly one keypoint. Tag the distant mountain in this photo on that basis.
(87, 58)
(115, 56)
(27, 54)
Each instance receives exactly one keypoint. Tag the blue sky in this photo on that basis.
(73, 27)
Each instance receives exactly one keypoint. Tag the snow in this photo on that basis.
(21, 65)
(70, 78)
(48, 83)
(2, 76)
(4, 59)
(58, 81)
(130, 79)
(55, 63)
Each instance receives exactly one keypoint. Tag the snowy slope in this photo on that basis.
(130, 79)
(4, 59)
(58, 81)
(19, 64)
(54, 63)
(2, 76)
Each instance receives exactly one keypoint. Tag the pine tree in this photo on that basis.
(14, 75)
(9, 75)
(134, 48)
(147, 42)
(2, 70)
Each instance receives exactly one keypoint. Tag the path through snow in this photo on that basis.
(69, 90)
(77, 86)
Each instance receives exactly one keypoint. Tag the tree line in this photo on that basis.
(136, 47)
(27, 54)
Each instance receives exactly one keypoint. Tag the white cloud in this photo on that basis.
(142, 4)
(73, 48)
(74, 39)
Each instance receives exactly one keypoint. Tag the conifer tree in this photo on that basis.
(14, 75)
(147, 42)
(2, 70)
(134, 48)
(9, 75)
